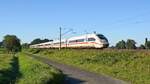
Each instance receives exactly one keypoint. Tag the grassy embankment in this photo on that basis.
(7, 74)
(2, 51)
(129, 65)
(22, 69)
(35, 72)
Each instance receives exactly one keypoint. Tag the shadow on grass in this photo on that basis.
(9, 76)
(64, 79)
(57, 79)
(72, 80)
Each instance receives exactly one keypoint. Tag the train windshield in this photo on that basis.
(102, 37)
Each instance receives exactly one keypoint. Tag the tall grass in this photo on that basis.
(21, 69)
(129, 65)
(35, 72)
(7, 75)
(2, 50)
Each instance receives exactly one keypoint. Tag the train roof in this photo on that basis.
(42, 43)
(83, 36)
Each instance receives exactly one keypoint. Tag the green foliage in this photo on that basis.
(2, 50)
(148, 44)
(130, 44)
(1, 44)
(5, 66)
(121, 45)
(129, 65)
(34, 51)
(8, 69)
(38, 40)
(142, 47)
(25, 45)
(12, 43)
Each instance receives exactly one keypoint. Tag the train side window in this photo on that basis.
(73, 41)
(47, 44)
(62, 42)
(91, 39)
(80, 40)
(101, 36)
(56, 43)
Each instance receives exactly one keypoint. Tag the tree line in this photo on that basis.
(35, 41)
(12, 44)
(131, 44)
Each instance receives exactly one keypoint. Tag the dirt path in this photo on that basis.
(77, 76)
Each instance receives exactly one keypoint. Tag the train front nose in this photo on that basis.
(105, 45)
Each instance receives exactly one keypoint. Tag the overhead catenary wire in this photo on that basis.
(126, 20)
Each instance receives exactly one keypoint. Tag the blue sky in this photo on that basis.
(116, 19)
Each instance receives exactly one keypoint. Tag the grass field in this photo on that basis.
(7, 74)
(35, 72)
(132, 66)
(2, 51)
(21, 69)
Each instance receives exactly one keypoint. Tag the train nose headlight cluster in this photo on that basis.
(103, 41)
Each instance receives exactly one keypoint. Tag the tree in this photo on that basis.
(146, 41)
(130, 44)
(38, 40)
(147, 44)
(45, 40)
(142, 47)
(112, 47)
(25, 45)
(1, 44)
(12, 43)
(121, 45)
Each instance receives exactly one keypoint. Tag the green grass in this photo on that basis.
(7, 75)
(21, 69)
(129, 65)
(5, 60)
(35, 72)
(2, 50)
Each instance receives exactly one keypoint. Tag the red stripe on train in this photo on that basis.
(81, 43)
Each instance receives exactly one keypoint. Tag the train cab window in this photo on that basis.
(102, 37)
(91, 39)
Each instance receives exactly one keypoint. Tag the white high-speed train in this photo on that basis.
(83, 41)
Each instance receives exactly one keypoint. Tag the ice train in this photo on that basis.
(83, 41)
